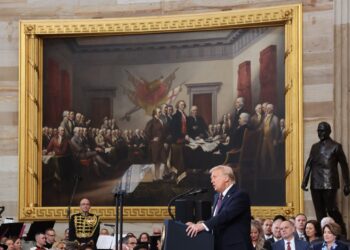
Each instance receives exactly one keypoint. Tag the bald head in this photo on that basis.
(85, 205)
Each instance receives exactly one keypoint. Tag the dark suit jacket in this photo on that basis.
(231, 225)
(296, 236)
(299, 245)
(271, 240)
(340, 246)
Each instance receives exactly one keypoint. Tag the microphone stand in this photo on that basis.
(174, 199)
(76, 182)
(119, 204)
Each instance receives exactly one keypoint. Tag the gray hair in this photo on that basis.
(326, 220)
(226, 170)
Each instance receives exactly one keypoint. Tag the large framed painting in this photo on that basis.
(149, 105)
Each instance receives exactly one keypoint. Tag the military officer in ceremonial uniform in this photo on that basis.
(84, 227)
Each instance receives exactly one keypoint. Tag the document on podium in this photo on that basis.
(105, 242)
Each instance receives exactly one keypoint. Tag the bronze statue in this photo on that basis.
(321, 167)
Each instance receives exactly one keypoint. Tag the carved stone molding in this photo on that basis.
(162, 23)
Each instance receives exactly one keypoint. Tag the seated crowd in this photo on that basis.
(298, 233)
(48, 240)
(266, 234)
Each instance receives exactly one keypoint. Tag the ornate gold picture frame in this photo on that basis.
(33, 33)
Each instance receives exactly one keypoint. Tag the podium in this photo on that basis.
(175, 238)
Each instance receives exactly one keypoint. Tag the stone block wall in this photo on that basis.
(318, 66)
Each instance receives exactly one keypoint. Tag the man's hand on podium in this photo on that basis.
(193, 229)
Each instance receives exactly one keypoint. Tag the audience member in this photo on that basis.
(10, 244)
(313, 232)
(40, 241)
(130, 234)
(66, 234)
(276, 232)
(257, 236)
(156, 231)
(288, 240)
(50, 235)
(300, 221)
(267, 228)
(104, 231)
(279, 217)
(17, 243)
(59, 245)
(131, 242)
(144, 237)
(326, 220)
(331, 233)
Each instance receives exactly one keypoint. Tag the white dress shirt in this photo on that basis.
(292, 244)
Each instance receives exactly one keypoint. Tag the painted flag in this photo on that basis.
(172, 94)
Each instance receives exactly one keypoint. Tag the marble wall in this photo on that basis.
(319, 57)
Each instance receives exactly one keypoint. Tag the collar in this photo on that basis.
(226, 190)
(334, 245)
(292, 243)
(268, 236)
(300, 233)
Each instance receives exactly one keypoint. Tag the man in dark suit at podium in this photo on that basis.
(230, 222)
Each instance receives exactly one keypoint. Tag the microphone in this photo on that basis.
(197, 191)
(190, 192)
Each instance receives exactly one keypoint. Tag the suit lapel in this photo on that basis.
(230, 192)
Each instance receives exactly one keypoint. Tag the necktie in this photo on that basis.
(219, 203)
(288, 246)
